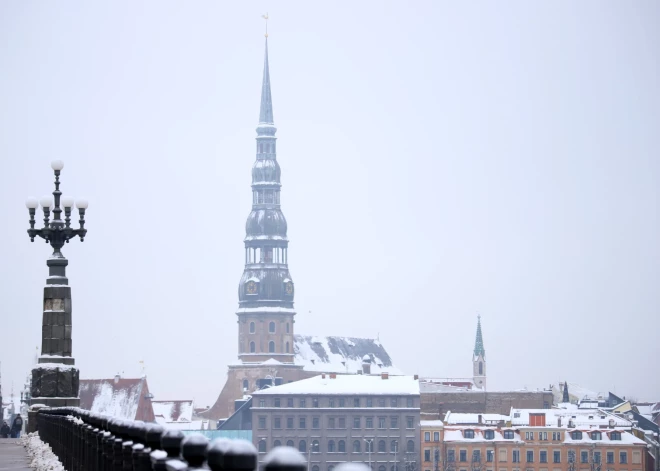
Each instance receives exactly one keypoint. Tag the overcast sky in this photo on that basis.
(439, 159)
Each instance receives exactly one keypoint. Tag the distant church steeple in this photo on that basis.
(479, 358)
(565, 397)
(265, 292)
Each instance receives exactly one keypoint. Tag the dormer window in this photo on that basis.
(576, 435)
(508, 434)
(615, 436)
(489, 434)
(596, 436)
(468, 434)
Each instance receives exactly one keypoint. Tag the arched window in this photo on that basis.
(381, 446)
(481, 368)
(382, 468)
(302, 446)
(246, 384)
(289, 443)
(287, 327)
(277, 443)
(315, 468)
(341, 446)
(331, 446)
(271, 347)
(271, 327)
(411, 446)
(393, 446)
(262, 446)
(394, 468)
(253, 328)
(331, 467)
(315, 446)
(356, 446)
(287, 347)
(253, 347)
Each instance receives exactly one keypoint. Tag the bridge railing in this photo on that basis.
(85, 441)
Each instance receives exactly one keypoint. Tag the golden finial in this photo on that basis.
(265, 17)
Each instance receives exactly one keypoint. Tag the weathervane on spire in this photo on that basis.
(265, 17)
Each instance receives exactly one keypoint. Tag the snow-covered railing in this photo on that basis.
(85, 441)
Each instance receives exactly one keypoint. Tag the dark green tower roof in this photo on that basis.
(479, 341)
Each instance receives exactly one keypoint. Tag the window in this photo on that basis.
(382, 447)
(287, 347)
(262, 422)
(584, 457)
(636, 457)
(356, 446)
(331, 402)
(556, 456)
(315, 446)
(410, 447)
(331, 422)
(277, 443)
(370, 445)
(529, 435)
(331, 446)
(427, 436)
(468, 433)
(315, 422)
(502, 456)
(543, 456)
(451, 456)
(302, 446)
(381, 422)
(571, 456)
(490, 456)
(253, 347)
(246, 384)
(615, 436)
(394, 422)
(576, 435)
(289, 423)
(356, 422)
(610, 457)
(596, 436)
(596, 456)
(341, 446)
(410, 422)
(381, 402)
(342, 422)
(262, 446)
(277, 402)
(253, 328)
(394, 446)
(556, 436)
(516, 456)
(481, 368)
(315, 402)
(409, 402)
(427, 455)
(370, 402)
(543, 435)
(436, 436)
(271, 327)
(262, 402)
(342, 402)
(530, 456)
(302, 403)
(370, 422)
(289, 443)
(356, 402)
(315, 468)
(394, 402)
(277, 422)
(476, 456)
(302, 423)
(462, 455)
(289, 402)
(623, 457)
(508, 434)
(271, 347)
(382, 468)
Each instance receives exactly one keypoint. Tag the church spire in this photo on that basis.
(266, 110)
(479, 341)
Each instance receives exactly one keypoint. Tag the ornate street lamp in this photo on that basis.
(54, 378)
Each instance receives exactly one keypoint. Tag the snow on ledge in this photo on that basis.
(40, 454)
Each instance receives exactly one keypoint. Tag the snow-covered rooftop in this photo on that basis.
(173, 411)
(455, 418)
(124, 398)
(579, 417)
(341, 354)
(627, 438)
(348, 385)
(455, 434)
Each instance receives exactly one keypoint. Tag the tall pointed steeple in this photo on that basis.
(266, 110)
(565, 396)
(479, 341)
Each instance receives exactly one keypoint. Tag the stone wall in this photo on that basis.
(434, 405)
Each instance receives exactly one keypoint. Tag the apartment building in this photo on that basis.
(532, 440)
(333, 419)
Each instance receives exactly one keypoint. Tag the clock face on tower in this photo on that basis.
(288, 287)
(251, 287)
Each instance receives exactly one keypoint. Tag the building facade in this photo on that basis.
(333, 419)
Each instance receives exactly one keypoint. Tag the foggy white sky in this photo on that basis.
(438, 159)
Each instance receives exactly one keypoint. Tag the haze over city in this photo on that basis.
(439, 160)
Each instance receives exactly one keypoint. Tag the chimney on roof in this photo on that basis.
(416, 377)
(611, 423)
(117, 378)
(323, 376)
(480, 419)
(384, 376)
(558, 421)
(333, 375)
(366, 364)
